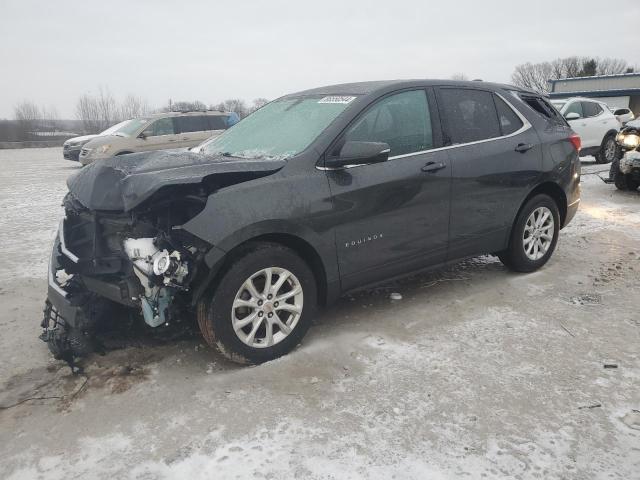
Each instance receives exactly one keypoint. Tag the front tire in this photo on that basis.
(534, 235)
(263, 304)
(621, 181)
(608, 150)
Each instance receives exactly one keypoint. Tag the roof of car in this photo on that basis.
(190, 112)
(366, 88)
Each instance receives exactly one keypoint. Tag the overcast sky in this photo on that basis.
(52, 52)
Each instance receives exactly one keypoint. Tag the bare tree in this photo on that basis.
(132, 107)
(88, 111)
(185, 106)
(612, 66)
(27, 115)
(233, 105)
(49, 118)
(459, 76)
(537, 75)
(533, 75)
(97, 112)
(257, 104)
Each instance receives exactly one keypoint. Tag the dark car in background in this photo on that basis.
(316, 194)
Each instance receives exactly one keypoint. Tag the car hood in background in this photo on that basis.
(123, 182)
(633, 123)
(80, 139)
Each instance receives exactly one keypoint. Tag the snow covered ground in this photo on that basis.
(475, 373)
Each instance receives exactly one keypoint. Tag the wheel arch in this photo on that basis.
(307, 251)
(554, 191)
(612, 131)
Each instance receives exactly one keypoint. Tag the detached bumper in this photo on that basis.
(68, 302)
(56, 293)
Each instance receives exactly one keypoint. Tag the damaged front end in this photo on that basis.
(140, 259)
(121, 241)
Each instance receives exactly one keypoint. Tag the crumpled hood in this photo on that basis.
(121, 183)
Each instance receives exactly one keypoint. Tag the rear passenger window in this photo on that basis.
(192, 123)
(509, 120)
(471, 115)
(591, 109)
(401, 120)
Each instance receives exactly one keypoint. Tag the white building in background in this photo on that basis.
(617, 91)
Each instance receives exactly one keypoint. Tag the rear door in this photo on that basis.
(495, 157)
(600, 121)
(392, 217)
(192, 130)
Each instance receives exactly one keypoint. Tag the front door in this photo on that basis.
(392, 217)
(160, 135)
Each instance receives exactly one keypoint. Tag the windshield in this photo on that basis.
(128, 128)
(114, 128)
(280, 129)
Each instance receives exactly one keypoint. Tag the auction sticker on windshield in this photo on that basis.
(336, 99)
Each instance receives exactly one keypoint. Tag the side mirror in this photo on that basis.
(360, 153)
(145, 134)
(572, 116)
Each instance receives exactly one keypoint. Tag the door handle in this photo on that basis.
(431, 167)
(171, 140)
(523, 147)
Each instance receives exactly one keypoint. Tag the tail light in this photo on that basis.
(575, 141)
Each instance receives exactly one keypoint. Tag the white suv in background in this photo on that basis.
(162, 131)
(595, 124)
(624, 115)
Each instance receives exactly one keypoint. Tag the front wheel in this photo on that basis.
(263, 305)
(620, 180)
(534, 235)
(608, 150)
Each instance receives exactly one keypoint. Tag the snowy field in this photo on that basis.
(476, 373)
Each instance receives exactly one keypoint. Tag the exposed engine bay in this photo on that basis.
(130, 249)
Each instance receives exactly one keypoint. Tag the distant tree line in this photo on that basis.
(97, 112)
(536, 76)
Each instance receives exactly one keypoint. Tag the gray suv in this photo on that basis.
(158, 132)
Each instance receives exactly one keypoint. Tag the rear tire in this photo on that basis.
(249, 317)
(534, 235)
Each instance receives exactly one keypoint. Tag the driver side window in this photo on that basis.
(401, 120)
(163, 126)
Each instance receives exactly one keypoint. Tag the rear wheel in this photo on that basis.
(608, 150)
(262, 307)
(534, 235)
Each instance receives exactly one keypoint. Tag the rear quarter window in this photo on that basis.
(543, 108)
